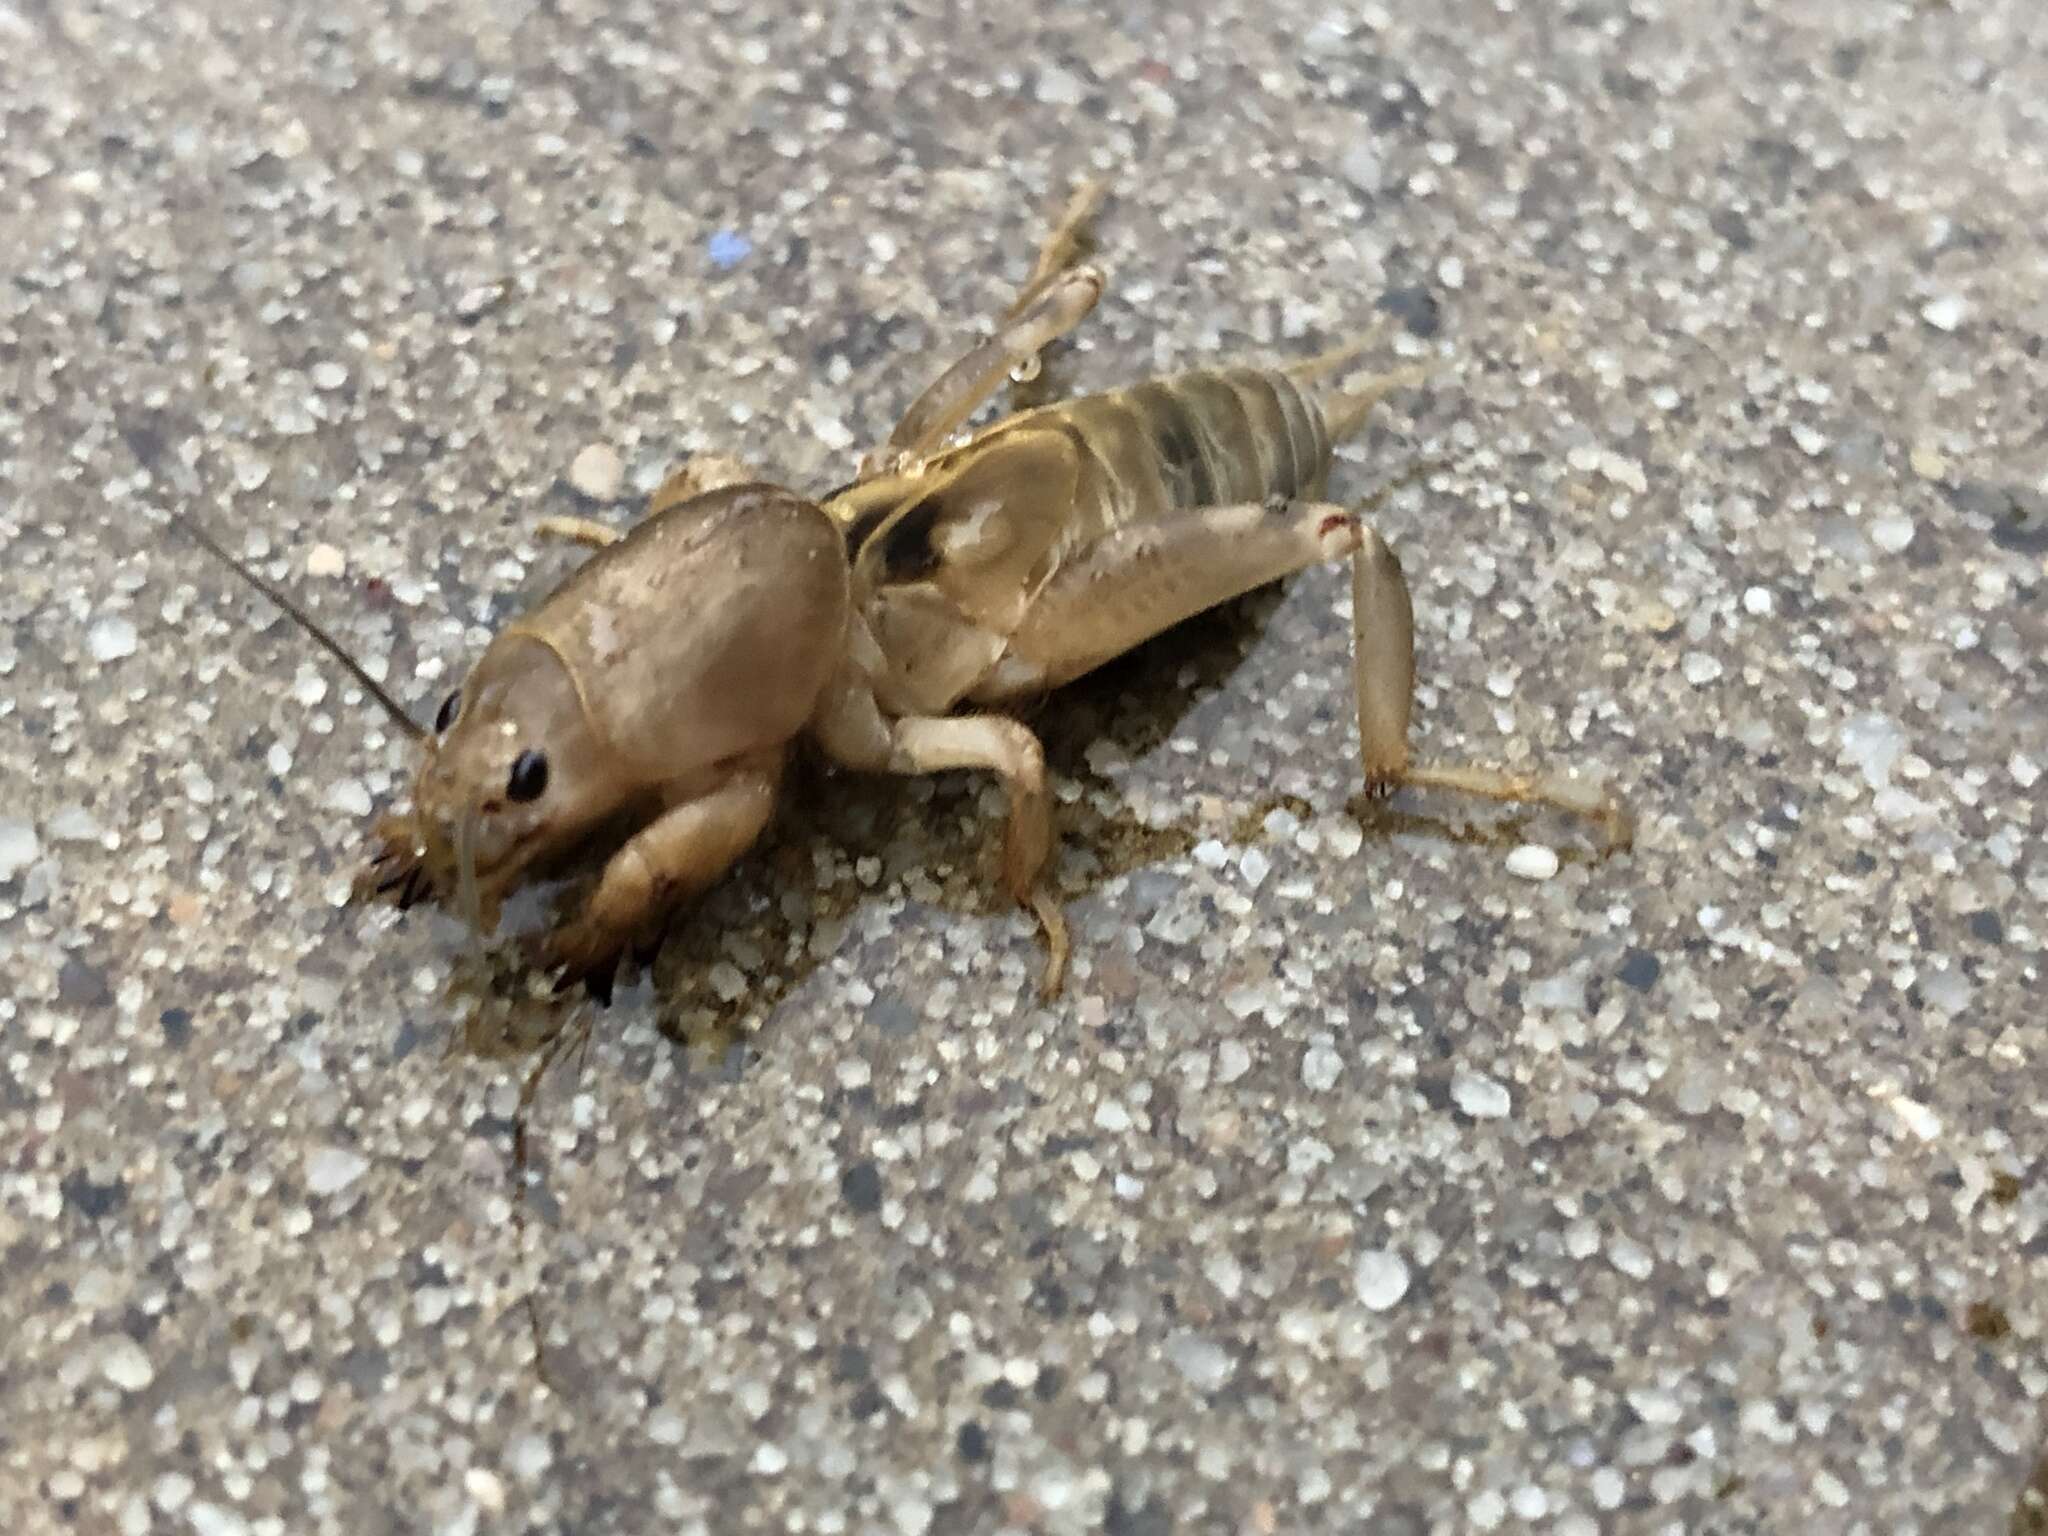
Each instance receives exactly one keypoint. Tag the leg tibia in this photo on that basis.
(1063, 247)
(1009, 748)
(852, 730)
(1062, 303)
(1055, 298)
(1383, 664)
(678, 855)
(1382, 658)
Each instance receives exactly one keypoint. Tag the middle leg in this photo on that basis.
(852, 729)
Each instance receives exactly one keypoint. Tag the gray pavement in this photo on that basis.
(1360, 1182)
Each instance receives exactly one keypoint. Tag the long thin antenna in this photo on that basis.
(404, 721)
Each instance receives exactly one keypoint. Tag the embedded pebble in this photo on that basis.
(1345, 838)
(1486, 1509)
(1232, 1061)
(476, 301)
(1059, 87)
(1946, 312)
(1892, 534)
(1533, 861)
(1631, 1258)
(1205, 1363)
(1923, 1122)
(1608, 1488)
(1320, 1068)
(1610, 466)
(111, 638)
(528, 1456)
(1380, 1278)
(18, 845)
(1654, 616)
(1479, 1095)
(487, 1488)
(1565, 993)
(1928, 463)
(325, 560)
(1947, 991)
(1896, 804)
(1701, 669)
(1362, 167)
(125, 1365)
(251, 469)
(597, 472)
(1872, 743)
(329, 375)
(330, 1170)
(1254, 866)
(728, 248)
(1654, 1406)
(1531, 1503)
(350, 797)
(74, 824)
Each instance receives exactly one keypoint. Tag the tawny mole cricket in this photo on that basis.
(656, 693)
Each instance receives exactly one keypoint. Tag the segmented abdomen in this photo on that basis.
(1198, 439)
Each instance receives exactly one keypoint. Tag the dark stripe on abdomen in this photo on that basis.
(1292, 443)
(1306, 436)
(1185, 467)
(1269, 436)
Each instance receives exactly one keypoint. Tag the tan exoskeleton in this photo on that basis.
(657, 692)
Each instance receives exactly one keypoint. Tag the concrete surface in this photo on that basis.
(1359, 1183)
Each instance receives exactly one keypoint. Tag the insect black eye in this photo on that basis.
(529, 776)
(450, 708)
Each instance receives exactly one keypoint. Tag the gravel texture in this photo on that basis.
(1418, 1173)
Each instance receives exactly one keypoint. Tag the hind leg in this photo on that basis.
(1063, 248)
(1383, 676)
(1137, 582)
(1141, 580)
(1056, 296)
